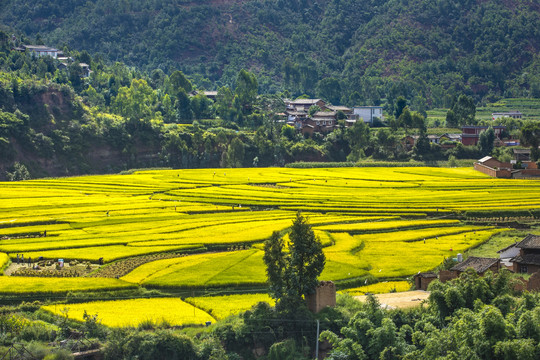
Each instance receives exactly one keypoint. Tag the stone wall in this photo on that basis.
(447, 275)
(534, 282)
(325, 295)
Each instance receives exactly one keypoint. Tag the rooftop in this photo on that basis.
(514, 112)
(506, 248)
(479, 264)
(528, 259)
(305, 101)
(324, 114)
(484, 159)
(340, 108)
(39, 48)
(529, 242)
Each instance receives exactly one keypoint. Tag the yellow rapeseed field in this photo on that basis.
(221, 307)
(372, 221)
(380, 288)
(131, 313)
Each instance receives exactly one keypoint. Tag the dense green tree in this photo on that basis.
(330, 90)
(201, 107)
(451, 119)
(530, 136)
(136, 101)
(405, 119)
(293, 275)
(400, 105)
(182, 104)
(20, 172)
(226, 107)
(178, 82)
(464, 111)
(422, 147)
(358, 138)
(234, 156)
(246, 90)
(486, 141)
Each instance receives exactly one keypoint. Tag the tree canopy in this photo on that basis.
(292, 275)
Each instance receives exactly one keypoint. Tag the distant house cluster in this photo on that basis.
(325, 120)
(522, 257)
(515, 169)
(470, 135)
(41, 50)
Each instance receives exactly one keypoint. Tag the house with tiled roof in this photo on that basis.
(305, 104)
(321, 122)
(478, 264)
(528, 260)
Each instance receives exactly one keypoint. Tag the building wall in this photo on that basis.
(447, 275)
(469, 140)
(530, 268)
(325, 295)
(534, 282)
(368, 113)
(501, 173)
(422, 283)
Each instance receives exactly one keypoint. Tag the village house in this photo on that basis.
(455, 138)
(408, 141)
(321, 122)
(522, 154)
(471, 133)
(511, 114)
(212, 95)
(507, 254)
(422, 280)
(345, 110)
(493, 167)
(521, 257)
(85, 69)
(446, 141)
(479, 264)
(305, 104)
(368, 113)
(528, 259)
(40, 50)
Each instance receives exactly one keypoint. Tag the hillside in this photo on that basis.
(343, 50)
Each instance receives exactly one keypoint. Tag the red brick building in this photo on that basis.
(471, 134)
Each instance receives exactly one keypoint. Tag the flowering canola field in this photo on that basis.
(131, 313)
(377, 222)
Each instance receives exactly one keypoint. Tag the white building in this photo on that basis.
(368, 113)
(40, 50)
(511, 114)
(508, 253)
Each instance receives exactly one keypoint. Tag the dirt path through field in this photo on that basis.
(404, 299)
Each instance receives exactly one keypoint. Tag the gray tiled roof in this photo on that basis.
(528, 259)
(529, 242)
(479, 264)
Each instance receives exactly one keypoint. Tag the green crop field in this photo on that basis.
(376, 223)
(530, 108)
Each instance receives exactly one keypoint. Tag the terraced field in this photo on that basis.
(376, 223)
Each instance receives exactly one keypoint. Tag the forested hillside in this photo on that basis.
(345, 51)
